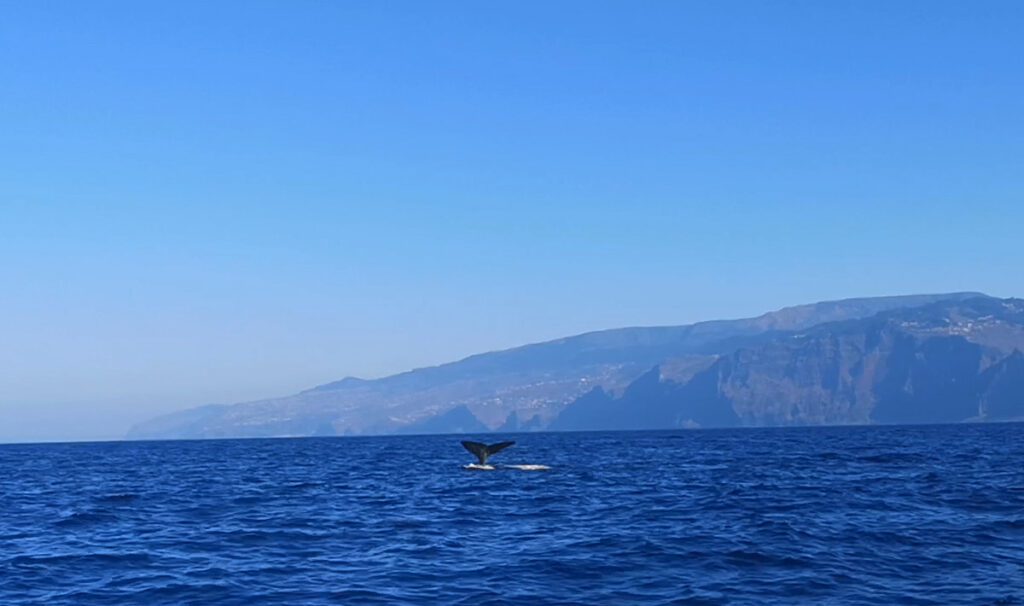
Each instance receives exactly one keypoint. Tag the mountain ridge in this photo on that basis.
(534, 381)
(948, 362)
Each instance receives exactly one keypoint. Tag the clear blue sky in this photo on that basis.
(213, 201)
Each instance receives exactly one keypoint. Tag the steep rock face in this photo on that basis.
(652, 402)
(921, 365)
(933, 380)
(1002, 389)
(514, 423)
(798, 381)
(595, 410)
(942, 363)
(535, 381)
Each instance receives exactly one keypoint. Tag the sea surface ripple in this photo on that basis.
(853, 515)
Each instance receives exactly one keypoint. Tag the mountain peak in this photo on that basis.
(346, 383)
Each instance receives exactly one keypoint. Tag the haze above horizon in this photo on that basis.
(210, 203)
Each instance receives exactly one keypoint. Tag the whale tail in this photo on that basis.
(482, 451)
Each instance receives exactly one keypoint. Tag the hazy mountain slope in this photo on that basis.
(534, 381)
(949, 361)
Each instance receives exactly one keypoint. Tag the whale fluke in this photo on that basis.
(482, 451)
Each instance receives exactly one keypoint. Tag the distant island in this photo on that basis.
(944, 358)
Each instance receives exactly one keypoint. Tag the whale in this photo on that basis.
(482, 451)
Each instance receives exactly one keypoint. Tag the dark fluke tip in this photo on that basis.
(482, 451)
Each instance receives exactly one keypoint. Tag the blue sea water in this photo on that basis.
(852, 515)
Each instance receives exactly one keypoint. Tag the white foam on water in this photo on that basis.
(526, 467)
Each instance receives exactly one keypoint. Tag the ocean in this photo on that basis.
(833, 515)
